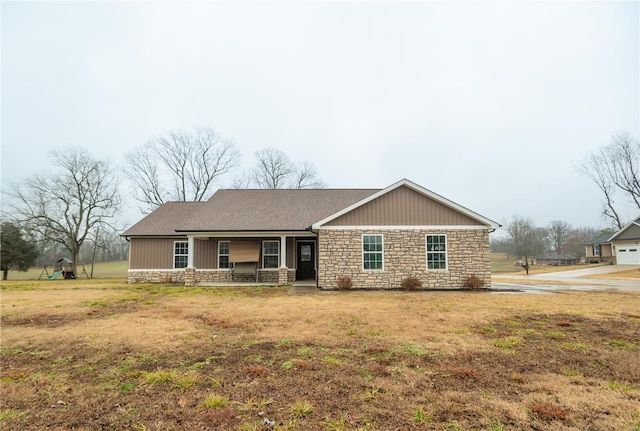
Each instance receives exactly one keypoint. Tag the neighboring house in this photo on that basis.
(621, 247)
(556, 260)
(600, 249)
(376, 237)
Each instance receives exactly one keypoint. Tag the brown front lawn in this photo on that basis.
(105, 355)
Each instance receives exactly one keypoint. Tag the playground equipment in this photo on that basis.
(64, 268)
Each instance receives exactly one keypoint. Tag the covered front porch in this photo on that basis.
(250, 258)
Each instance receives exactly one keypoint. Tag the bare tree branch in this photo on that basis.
(599, 167)
(180, 166)
(559, 233)
(65, 206)
(274, 170)
(306, 177)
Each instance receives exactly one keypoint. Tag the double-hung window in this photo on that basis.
(223, 254)
(270, 254)
(180, 254)
(372, 252)
(436, 252)
(596, 250)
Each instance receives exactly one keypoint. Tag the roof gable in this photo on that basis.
(630, 231)
(405, 204)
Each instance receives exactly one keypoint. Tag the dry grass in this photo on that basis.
(115, 269)
(99, 355)
(501, 264)
(632, 274)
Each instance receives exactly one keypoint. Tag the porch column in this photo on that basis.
(190, 252)
(283, 251)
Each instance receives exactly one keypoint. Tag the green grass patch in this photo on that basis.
(422, 417)
(412, 349)
(8, 414)
(215, 401)
(506, 343)
(301, 409)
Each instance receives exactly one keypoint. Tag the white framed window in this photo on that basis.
(180, 254)
(596, 250)
(270, 254)
(436, 251)
(372, 252)
(223, 254)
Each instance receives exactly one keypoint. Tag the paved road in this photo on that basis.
(573, 280)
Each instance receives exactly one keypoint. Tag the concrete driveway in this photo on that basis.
(569, 280)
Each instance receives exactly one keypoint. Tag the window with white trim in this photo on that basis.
(436, 252)
(596, 250)
(180, 254)
(372, 252)
(270, 254)
(223, 254)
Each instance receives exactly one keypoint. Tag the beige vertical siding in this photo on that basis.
(152, 253)
(291, 252)
(633, 232)
(403, 207)
(205, 253)
(157, 253)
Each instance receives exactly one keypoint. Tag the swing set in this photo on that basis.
(64, 268)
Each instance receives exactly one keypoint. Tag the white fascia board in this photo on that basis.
(405, 182)
(402, 227)
(251, 234)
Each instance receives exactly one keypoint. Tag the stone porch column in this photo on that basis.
(283, 276)
(190, 276)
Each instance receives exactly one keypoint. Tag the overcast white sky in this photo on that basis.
(490, 104)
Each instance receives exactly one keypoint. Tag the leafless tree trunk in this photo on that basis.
(274, 170)
(528, 240)
(559, 232)
(180, 166)
(615, 168)
(66, 206)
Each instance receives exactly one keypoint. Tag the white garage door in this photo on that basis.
(628, 255)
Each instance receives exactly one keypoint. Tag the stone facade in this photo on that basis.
(193, 276)
(155, 276)
(340, 253)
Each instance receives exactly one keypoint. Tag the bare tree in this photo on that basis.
(274, 170)
(306, 177)
(180, 166)
(528, 240)
(575, 243)
(615, 168)
(66, 206)
(559, 232)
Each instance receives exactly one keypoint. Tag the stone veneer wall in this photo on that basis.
(155, 276)
(203, 276)
(340, 253)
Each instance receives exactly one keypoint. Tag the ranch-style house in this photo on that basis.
(621, 247)
(377, 237)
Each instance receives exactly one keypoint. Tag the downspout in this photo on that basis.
(310, 229)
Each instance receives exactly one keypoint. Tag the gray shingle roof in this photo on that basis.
(249, 210)
(165, 219)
